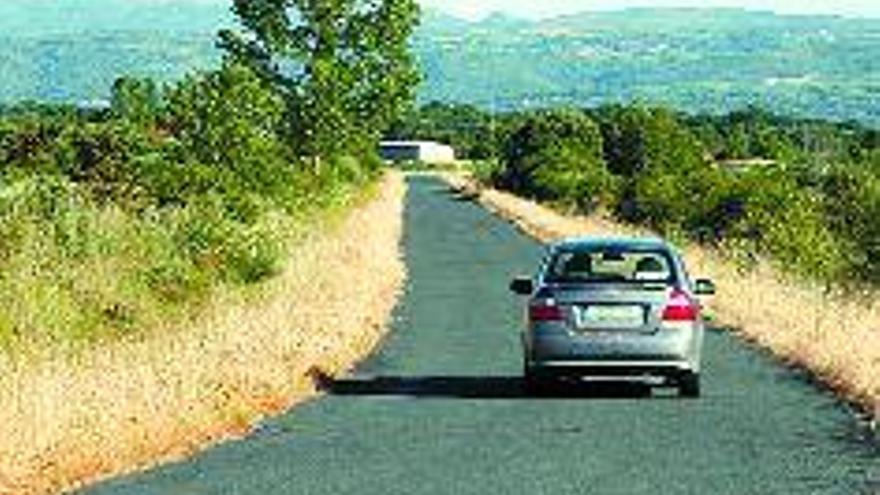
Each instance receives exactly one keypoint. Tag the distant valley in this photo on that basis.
(696, 60)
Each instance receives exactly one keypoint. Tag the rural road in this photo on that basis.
(440, 409)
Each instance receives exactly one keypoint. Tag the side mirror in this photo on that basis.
(704, 287)
(522, 286)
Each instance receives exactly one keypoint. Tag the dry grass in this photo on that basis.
(69, 420)
(836, 338)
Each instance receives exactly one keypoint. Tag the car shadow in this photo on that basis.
(478, 387)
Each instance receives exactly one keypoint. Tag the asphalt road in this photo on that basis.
(440, 409)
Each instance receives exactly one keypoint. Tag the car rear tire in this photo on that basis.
(689, 386)
(535, 382)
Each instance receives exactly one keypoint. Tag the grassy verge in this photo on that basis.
(67, 418)
(74, 272)
(833, 336)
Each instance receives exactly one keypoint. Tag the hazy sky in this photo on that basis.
(538, 8)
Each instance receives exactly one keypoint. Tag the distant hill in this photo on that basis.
(73, 50)
(698, 60)
(41, 18)
(711, 60)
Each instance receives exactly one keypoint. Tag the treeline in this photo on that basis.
(118, 219)
(805, 192)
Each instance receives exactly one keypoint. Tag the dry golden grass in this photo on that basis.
(69, 420)
(836, 338)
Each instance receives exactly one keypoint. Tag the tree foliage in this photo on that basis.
(557, 155)
(135, 100)
(343, 66)
(227, 126)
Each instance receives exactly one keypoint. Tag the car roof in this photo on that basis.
(612, 243)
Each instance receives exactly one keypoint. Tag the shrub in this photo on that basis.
(75, 270)
(852, 206)
(67, 269)
(557, 155)
(226, 124)
(787, 222)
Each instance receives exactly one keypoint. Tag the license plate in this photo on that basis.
(608, 316)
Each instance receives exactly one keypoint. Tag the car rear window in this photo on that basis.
(611, 265)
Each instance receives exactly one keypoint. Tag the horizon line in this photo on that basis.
(538, 18)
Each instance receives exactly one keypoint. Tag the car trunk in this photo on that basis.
(613, 308)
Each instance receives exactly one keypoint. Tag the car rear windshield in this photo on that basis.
(611, 265)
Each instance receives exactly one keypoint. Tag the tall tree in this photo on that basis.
(344, 65)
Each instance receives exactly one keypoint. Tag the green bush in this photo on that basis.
(62, 275)
(852, 206)
(557, 156)
(787, 222)
(227, 126)
(72, 269)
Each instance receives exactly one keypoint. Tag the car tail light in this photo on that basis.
(681, 307)
(545, 310)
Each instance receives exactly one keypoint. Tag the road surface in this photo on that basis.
(440, 409)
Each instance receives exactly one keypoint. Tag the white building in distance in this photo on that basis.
(416, 151)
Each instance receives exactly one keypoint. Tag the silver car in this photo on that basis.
(619, 308)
